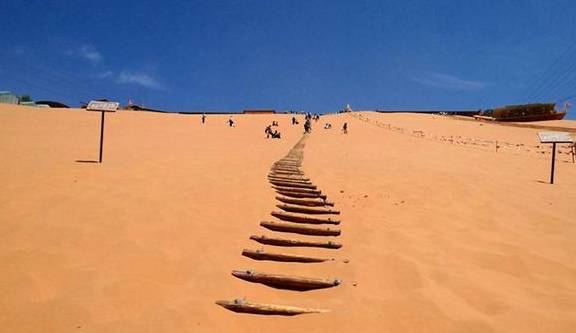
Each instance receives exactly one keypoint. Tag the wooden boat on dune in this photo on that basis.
(242, 306)
(523, 113)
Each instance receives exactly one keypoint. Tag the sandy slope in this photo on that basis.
(441, 236)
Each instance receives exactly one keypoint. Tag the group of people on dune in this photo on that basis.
(270, 133)
(275, 134)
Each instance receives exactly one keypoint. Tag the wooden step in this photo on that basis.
(289, 282)
(307, 210)
(301, 229)
(242, 306)
(291, 184)
(293, 189)
(290, 217)
(278, 169)
(290, 180)
(287, 164)
(301, 195)
(288, 177)
(304, 202)
(294, 243)
(263, 255)
(286, 173)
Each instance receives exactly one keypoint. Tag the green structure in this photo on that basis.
(7, 97)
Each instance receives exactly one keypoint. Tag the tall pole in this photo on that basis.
(553, 162)
(102, 136)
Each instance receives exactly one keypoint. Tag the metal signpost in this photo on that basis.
(102, 107)
(554, 138)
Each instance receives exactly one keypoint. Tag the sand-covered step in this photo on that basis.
(300, 195)
(307, 210)
(304, 202)
(287, 164)
(275, 241)
(301, 229)
(290, 180)
(243, 306)
(289, 173)
(302, 218)
(282, 257)
(283, 169)
(289, 176)
(285, 183)
(286, 173)
(293, 189)
(289, 282)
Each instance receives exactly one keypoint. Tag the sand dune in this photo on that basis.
(439, 234)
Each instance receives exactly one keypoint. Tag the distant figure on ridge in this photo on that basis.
(268, 131)
(345, 128)
(231, 122)
(307, 126)
(203, 118)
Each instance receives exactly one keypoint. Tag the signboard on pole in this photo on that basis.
(554, 138)
(103, 106)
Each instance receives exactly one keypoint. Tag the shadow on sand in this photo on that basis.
(543, 182)
(86, 161)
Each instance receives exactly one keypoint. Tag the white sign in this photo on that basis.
(555, 137)
(102, 106)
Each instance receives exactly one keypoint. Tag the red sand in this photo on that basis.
(440, 236)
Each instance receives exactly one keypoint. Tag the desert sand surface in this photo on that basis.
(441, 230)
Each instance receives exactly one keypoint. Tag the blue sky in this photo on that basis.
(291, 55)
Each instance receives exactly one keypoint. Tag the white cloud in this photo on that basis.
(87, 53)
(446, 81)
(140, 79)
(105, 75)
(90, 54)
(17, 50)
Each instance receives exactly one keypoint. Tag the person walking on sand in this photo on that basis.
(203, 118)
(231, 122)
(268, 131)
(307, 126)
(345, 128)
